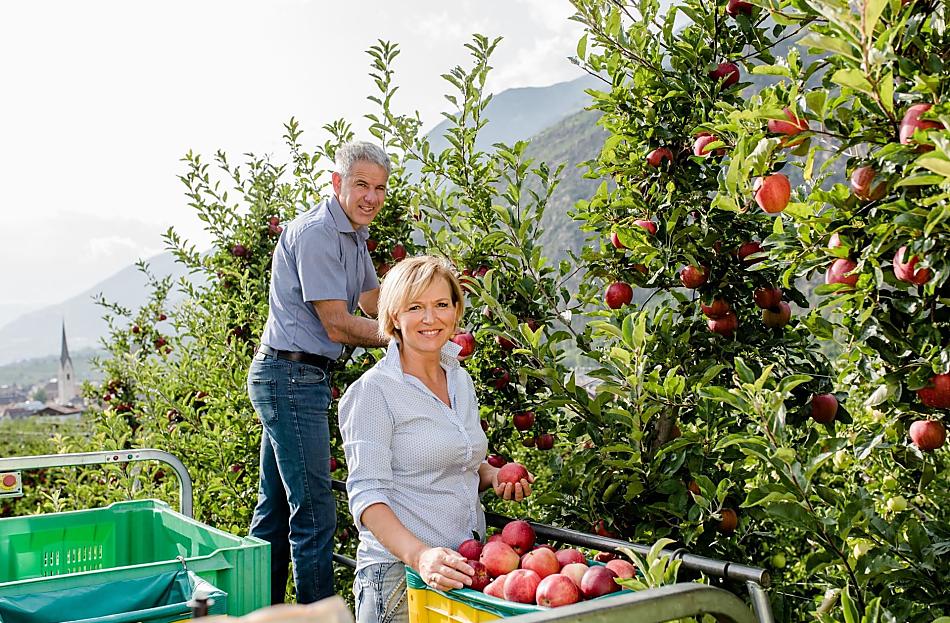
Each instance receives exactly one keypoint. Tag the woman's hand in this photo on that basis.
(516, 491)
(444, 569)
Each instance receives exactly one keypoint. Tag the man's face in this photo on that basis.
(362, 192)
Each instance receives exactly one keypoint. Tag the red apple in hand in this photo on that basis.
(480, 579)
(467, 341)
(656, 157)
(824, 408)
(928, 435)
(773, 192)
(839, 271)
(692, 277)
(557, 590)
(905, 270)
(727, 72)
(618, 294)
(512, 472)
(937, 394)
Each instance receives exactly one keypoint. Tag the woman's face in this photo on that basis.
(427, 322)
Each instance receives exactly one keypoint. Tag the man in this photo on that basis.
(321, 273)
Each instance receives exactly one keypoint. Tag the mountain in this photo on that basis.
(38, 333)
(520, 114)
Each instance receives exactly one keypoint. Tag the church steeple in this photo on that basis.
(67, 379)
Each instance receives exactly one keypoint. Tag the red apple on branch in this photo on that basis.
(727, 525)
(692, 277)
(904, 271)
(618, 294)
(718, 308)
(727, 72)
(650, 226)
(523, 420)
(700, 146)
(615, 240)
(749, 248)
(725, 325)
(777, 318)
(863, 187)
(767, 297)
(937, 393)
(912, 122)
(840, 272)
(738, 7)
(398, 252)
(772, 192)
(467, 341)
(824, 408)
(656, 157)
(545, 441)
(928, 435)
(793, 126)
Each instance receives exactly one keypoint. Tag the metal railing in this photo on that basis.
(185, 490)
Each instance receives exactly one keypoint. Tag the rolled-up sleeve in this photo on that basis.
(366, 426)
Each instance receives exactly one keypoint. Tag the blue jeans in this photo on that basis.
(296, 510)
(380, 592)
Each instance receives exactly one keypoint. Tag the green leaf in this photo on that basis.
(582, 47)
(830, 44)
(852, 79)
(935, 163)
(870, 15)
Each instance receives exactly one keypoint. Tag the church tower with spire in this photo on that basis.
(67, 376)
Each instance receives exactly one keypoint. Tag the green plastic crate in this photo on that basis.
(128, 540)
(159, 598)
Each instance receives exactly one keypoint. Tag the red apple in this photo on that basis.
(471, 548)
(615, 240)
(575, 571)
(371, 245)
(467, 341)
(905, 270)
(727, 72)
(398, 252)
(937, 394)
(772, 192)
(545, 441)
(542, 561)
(725, 325)
(239, 250)
(692, 277)
(521, 585)
(524, 420)
(618, 295)
(519, 535)
(834, 241)
(496, 588)
(498, 558)
(839, 271)
(334, 464)
(605, 556)
(504, 342)
(480, 579)
(729, 521)
(496, 460)
(777, 318)
(501, 378)
(718, 308)
(862, 184)
(335, 392)
(529, 442)
(624, 569)
(655, 158)
(928, 435)
(912, 122)
(598, 581)
(793, 126)
(512, 472)
(824, 407)
(748, 248)
(736, 7)
(700, 146)
(767, 297)
(650, 226)
(569, 555)
(495, 537)
(557, 590)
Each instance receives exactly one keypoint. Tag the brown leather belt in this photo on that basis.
(324, 363)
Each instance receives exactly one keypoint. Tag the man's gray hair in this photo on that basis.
(350, 153)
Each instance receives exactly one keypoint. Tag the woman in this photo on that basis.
(414, 446)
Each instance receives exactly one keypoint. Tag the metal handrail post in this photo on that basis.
(185, 489)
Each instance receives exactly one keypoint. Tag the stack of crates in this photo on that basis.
(125, 541)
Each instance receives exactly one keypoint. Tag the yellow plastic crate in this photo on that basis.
(427, 606)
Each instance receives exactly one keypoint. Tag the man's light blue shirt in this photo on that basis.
(319, 257)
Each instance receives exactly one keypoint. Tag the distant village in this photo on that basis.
(55, 401)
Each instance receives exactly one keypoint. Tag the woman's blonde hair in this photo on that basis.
(406, 281)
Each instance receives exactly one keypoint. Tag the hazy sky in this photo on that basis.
(100, 100)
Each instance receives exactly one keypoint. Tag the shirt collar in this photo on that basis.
(448, 357)
(342, 222)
